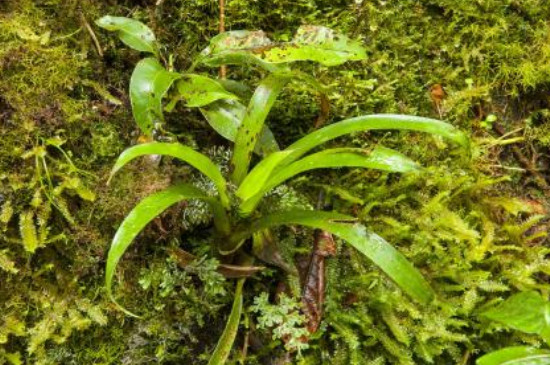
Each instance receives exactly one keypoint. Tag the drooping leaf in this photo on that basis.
(225, 116)
(149, 83)
(526, 311)
(311, 43)
(198, 90)
(379, 158)
(253, 122)
(181, 152)
(376, 122)
(517, 355)
(225, 343)
(140, 216)
(385, 256)
(131, 32)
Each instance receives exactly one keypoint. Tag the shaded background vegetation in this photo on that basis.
(476, 228)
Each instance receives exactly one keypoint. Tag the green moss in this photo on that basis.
(452, 221)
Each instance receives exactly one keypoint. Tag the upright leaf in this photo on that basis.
(140, 216)
(517, 355)
(149, 83)
(526, 311)
(385, 256)
(257, 178)
(380, 158)
(253, 122)
(179, 151)
(131, 32)
(225, 343)
(225, 116)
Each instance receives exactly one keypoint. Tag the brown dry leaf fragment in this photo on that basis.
(313, 290)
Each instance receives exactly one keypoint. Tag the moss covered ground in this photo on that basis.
(476, 226)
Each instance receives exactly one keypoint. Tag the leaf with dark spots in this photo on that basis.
(225, 116)
(258, 108)
(311, 43)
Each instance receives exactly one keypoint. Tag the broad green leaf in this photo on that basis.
(319, 44)
(149, 83)
(179, 151)
(198, 90)
(237, 48)
(140, 216)
(376, 122)
(385, 256)
(253, 122)
(225, 343)
(527, 312)
(131, 32)
(256, 179)
(311, 43)
(380, 158)
(225, 116)
(517, 355)
(236, 87)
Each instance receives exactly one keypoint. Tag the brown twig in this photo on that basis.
(184, 258)
(92, 34)
(223, 68)
(324, 112)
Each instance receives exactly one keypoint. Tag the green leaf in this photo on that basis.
(385, 256)
(237, 48)
(225, 116)
(319, 44)
(311, 43)
(200, 90)
(376, 122)
(179, 151)
(527, 312)
(225, 343)
(380, 158)
(517, 355)
(140, 216)
(149, 83)
(131, 32)
(253, 122)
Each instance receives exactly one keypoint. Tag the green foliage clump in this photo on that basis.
(492, 58)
